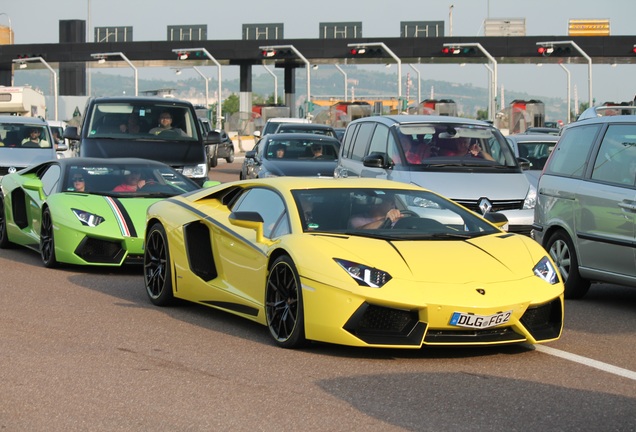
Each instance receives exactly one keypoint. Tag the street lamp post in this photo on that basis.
(344, 74)
(269, 71)
(492, 108)
(389, 52)
(584, 54)
(101, 57)
(419, 84)
(218, 123)
(23, 62)
(307, 66)
(197, 70)
(567, 72)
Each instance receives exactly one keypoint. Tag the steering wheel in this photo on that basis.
(405, 213)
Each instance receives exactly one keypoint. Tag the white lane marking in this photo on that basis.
(587, 362)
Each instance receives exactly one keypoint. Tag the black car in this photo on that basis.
(223, 150)
(165, 130)
(292, 154)
(313, 128)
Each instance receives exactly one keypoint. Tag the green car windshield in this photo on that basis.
(126, 179)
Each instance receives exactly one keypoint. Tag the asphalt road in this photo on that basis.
(84, 350)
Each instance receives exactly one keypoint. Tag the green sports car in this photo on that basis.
(85, 211)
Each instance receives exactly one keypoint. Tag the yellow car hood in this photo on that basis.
(493, 258)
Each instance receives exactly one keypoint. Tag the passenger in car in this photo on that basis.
(376, 215)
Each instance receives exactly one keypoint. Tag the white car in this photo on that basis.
(64, 147)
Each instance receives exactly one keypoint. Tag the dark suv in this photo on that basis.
(137, 127)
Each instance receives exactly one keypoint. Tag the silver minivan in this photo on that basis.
(468, 161)
(586, 204)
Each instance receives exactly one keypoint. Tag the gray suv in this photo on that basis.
(468, 161)
(586, 203)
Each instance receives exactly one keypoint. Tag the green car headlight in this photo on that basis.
(546, 271)
(364, 275)
(87, 218)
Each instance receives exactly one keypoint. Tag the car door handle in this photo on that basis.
(628, 205)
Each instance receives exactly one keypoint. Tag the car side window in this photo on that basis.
(571, 154)
(50, 179)
(361, 141)
(616, 159)
(270, 206)
(379, 139)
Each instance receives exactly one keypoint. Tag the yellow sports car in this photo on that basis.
(361, 262)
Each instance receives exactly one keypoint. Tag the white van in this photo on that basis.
(468, 161)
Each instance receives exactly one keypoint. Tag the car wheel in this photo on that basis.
(47, 242)
(230, 158)
(562, 251)
(4, 236)
(214, 161)
(157, 274)
(284, 305)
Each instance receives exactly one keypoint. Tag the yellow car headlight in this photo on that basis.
(546, 271)
(364, 275)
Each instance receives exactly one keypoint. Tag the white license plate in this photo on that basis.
(461, 319)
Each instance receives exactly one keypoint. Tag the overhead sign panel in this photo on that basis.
(188, 32)
(113, 34)
(421, 29)
(589, 27)
(340, 30)
(263, 31)
(505, 27)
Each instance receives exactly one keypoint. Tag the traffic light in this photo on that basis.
(557, 51)
(190, 55)
(364, 51)
(27, 56)
(277, 53)
(634, 50)
(463, 51)
(545, 51)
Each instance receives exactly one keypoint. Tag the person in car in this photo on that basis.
(132, 182)
(34, 140)
(316, 150)
(279, 151)
(376, 215)
(165, 124)
(464, 147)
(131, 125)
(78, 182)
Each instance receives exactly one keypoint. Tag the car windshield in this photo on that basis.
(433, 145)
(363, 211)
(143, 121)
(535, 152)
(34, 136)
(117, 179)
(280, 147)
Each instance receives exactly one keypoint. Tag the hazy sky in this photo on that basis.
(33, 22)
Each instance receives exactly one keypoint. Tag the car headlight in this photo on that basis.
(546, 271)
(195, 171)
(364, 275)
(531, 198)
(87, 218)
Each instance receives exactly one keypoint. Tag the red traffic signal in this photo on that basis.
(358, 51)
(183, 55)
(268, 53)
(545, 50)
(450, 50)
